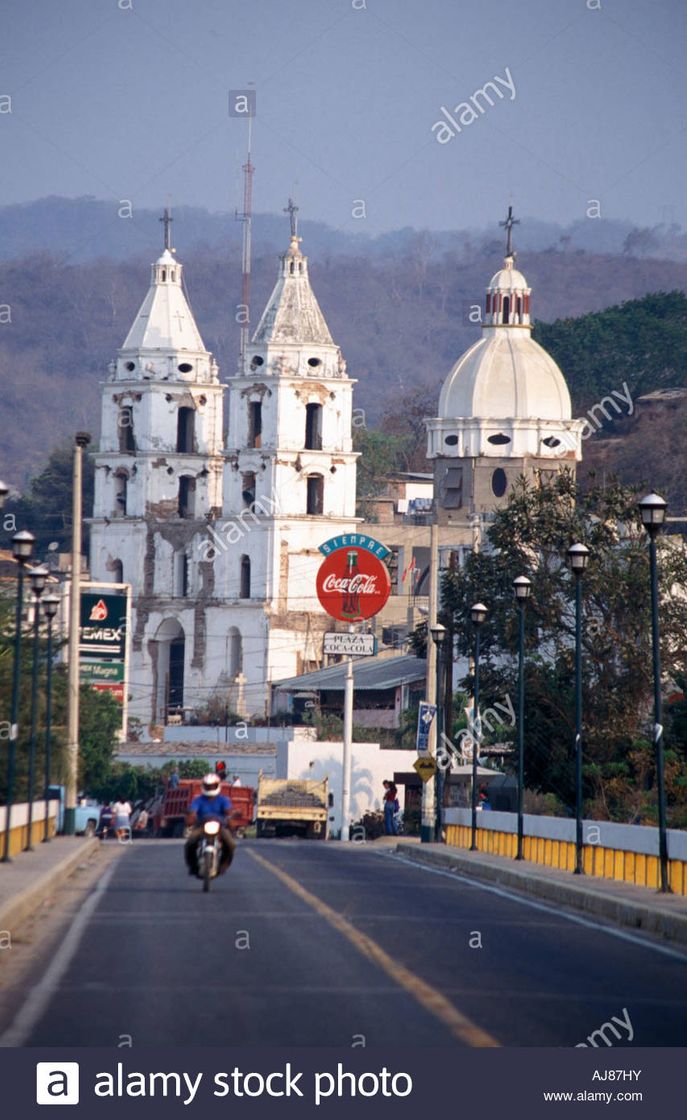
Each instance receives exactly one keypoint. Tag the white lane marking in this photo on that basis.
(512, 896)
(39, 997)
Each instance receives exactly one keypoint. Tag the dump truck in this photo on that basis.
(170, 818)
(292, 807)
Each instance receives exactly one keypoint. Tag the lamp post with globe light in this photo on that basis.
(439, 638)
(478, 614)
(653, 512)
(522, 587)
(38, 578)
(22, 550)
(51, 604)
(578, 558)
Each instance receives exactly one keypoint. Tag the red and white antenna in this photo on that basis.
(246, 216)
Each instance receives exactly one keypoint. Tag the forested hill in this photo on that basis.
(401, 318)
(641, 343)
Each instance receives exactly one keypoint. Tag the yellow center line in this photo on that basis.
(428, 997)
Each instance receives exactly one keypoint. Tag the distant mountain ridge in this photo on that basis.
(401, 307)
(82, 229)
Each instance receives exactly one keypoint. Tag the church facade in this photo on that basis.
(219, 536)
(219, 539)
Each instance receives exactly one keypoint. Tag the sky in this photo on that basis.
(128, 100)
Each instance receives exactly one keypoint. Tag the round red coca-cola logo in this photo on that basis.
(353, 584)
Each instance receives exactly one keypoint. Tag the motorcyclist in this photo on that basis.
(211, 803)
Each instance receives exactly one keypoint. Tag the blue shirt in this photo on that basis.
(204, 806)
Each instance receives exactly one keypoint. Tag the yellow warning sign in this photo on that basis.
(426, 767)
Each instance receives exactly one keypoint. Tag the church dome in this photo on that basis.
(506, 374)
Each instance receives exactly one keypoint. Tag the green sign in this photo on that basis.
(103, 626)
(102, 672)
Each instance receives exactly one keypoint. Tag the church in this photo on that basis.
(220, 542)
(219, 537)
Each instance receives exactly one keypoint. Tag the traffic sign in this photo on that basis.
(425, 717)
(349, 645)
(426, 767)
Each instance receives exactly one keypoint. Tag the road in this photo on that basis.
(318, 945)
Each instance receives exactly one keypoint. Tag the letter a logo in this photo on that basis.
(57, 1083)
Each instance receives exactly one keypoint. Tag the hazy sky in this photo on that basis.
(133, 104)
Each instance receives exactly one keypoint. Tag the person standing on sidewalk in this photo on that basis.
(391, 808)
(122, 819)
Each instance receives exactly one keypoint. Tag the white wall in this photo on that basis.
(370, 765)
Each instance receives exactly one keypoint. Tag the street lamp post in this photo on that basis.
(51, 605)
(578, 558)
(478, 613)
(523, 589)
(439, 637)
(22, 549)
(38, 578)
(653, 510)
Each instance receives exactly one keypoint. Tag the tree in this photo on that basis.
(46, 511)
(530, 536)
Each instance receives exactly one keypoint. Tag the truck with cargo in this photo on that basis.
(170, 815)
(293, 807)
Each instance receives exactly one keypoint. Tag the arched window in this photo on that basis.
(117, 571)
(120, 496)
(248, 489)
(254, 424)
(313, 427)
(185, 429)
(244, 582)
(181, 573)
(506, 309)
(315, 496)
(125, 427)
(187, 496)
(234, 652)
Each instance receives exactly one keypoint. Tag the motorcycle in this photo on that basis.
(209, 852)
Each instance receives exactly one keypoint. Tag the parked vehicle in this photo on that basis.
(292, 807)
(209, 852)
(169, 817)
(87, 812)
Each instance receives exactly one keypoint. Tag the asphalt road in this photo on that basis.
(311, 944)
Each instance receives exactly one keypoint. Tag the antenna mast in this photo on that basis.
(247, 218)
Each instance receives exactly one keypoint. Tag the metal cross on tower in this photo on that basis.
(167, 220)
(508, 225)
(292, 210)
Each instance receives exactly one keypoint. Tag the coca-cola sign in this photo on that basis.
(353, 582)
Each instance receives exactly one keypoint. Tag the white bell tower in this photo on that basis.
(289, 480)
(158, 481)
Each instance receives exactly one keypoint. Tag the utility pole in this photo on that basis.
(428, 788)
(81, 440)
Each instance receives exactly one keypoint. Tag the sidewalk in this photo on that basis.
(637, 908)
(33, 877)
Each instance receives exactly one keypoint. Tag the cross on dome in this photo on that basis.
(167, 220)
(508, 226)
(291, 209)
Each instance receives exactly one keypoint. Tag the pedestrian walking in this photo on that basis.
(122, 819)
(105, 820)
(174, 778)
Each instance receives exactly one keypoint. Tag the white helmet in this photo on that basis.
(211, 785)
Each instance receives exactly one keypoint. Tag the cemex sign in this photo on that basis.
(349, 645)
(102, 642)
(353, 581)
